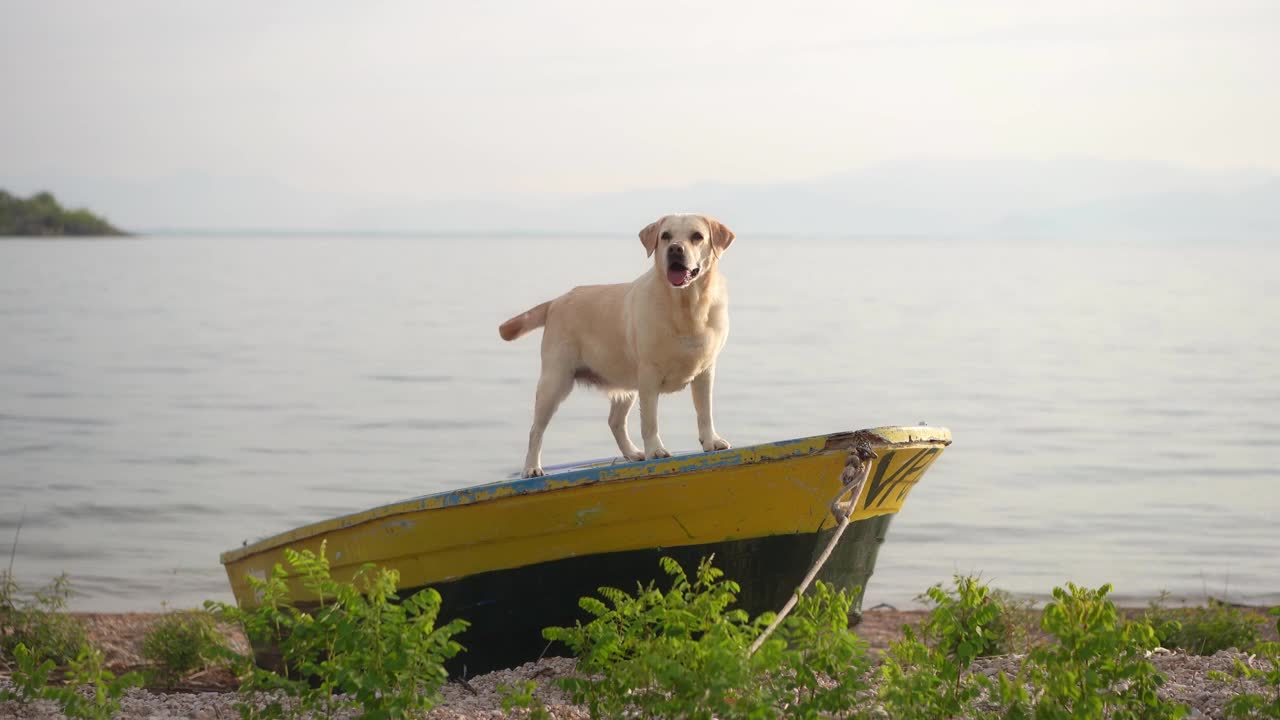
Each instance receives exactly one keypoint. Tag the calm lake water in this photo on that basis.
(1114, 406)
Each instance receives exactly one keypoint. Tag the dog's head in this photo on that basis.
(684, 247)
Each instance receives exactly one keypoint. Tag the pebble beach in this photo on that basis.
(211, 695)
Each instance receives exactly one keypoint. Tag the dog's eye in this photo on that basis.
(666, 236)
(696, 237)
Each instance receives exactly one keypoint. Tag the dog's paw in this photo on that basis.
(532, 472)
(634, 455)
(715, 443)
(657, 453)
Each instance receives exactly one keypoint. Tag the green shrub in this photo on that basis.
(31, 682)
(1094, 666)
(973, 620)
(919, 682)
(30, 676)
(929, 681)
(817, 666)
(38, 623)
(1204, 630)
(1265, 704)
(181, 643)
(521, 696)
(1097, 666)
(359, 648)
(36, 638)
(684, 653)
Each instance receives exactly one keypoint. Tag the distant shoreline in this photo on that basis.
(69, 238)
(41, 216)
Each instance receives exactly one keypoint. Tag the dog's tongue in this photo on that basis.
(678, 276)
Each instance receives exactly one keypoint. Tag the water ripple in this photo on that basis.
(393, 378)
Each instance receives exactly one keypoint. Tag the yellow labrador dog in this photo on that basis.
(654, 335)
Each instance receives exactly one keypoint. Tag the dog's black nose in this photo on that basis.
(675, 251)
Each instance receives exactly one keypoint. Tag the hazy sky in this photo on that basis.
(477, 96)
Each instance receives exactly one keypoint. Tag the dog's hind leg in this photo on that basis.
(553, 387)
(619, 407)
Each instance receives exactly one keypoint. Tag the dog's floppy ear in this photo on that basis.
(649, 237)
(721, 235)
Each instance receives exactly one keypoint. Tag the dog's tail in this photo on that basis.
(524, 322)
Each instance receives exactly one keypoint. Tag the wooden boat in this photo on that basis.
(513, 557)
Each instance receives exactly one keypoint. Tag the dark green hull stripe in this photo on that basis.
(507, 609)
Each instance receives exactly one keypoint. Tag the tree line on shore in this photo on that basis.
(41, 215)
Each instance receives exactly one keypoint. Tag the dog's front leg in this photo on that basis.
(649, 384)
(701, 388)
(619, 407)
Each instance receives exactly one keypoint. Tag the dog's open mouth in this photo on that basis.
(679, 275)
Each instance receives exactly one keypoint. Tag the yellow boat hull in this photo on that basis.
(513, 557)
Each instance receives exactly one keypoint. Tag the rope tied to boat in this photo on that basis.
(856, 470)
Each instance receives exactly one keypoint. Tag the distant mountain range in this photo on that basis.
(1070, 198)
